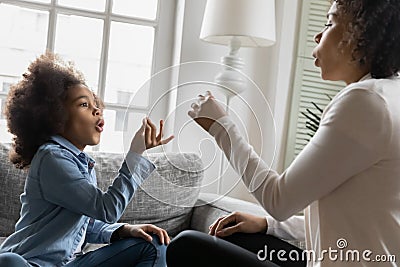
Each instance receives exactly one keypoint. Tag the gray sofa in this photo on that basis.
(169, 198)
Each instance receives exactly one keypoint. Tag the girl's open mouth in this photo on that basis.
(100, 125)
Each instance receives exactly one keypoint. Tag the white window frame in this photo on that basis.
(163, 25)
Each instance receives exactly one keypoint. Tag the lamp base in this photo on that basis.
(230, 77)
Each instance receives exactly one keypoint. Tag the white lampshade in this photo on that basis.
(250, 21)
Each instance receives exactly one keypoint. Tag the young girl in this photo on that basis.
(54, 116)
(347, 178)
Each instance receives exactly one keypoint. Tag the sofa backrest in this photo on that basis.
(166, 198)
(12, 182)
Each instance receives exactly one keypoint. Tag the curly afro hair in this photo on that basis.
(35, 105)
(374, 29)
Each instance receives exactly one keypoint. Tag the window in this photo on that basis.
(308, 86)
(113, 42)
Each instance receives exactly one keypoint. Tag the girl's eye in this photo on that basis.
(328, 25)
(84, 105)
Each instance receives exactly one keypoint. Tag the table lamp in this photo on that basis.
(237, 23)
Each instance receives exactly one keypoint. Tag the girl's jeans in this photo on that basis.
(128, 252)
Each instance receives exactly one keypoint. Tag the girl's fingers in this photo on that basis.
(153, 132)
(143, 127)
(161, 134)
(145, 235)
(147, 134)
(167, 240)
(166, 141)
(167, 237)
(161, 233)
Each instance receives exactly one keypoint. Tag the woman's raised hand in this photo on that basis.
(238, 222)
(206, 111)
(146, 137)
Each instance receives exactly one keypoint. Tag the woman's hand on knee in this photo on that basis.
(144, 231)
(238, 222)
(206, 111)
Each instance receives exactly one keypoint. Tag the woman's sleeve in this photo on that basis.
(291, 229)
(353, 135)
(63, 184)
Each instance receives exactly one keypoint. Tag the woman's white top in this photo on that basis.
(347, 178)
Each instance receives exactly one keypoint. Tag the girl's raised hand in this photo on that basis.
(146, 137)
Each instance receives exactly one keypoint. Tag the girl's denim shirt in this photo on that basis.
(61, 202)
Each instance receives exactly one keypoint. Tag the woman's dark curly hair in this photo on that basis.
(35, 105)
(374, 28)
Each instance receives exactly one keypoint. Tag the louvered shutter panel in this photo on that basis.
(308, 86)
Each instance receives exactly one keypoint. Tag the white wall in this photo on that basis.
(270, 68)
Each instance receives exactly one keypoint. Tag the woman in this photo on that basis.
(347, 177)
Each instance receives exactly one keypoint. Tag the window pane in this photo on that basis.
(40, 1)
(79, 39)
(113, 138)
(23, 37)
(95, 5)
(5, 136)
(129, 63)
(136, 8)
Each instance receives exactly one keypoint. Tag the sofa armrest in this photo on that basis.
(209, 207)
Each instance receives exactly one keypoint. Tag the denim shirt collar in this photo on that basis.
(74, 150)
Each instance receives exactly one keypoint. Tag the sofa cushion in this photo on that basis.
(166, 197)
(12, 182)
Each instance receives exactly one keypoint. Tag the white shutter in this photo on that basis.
(308, 86)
